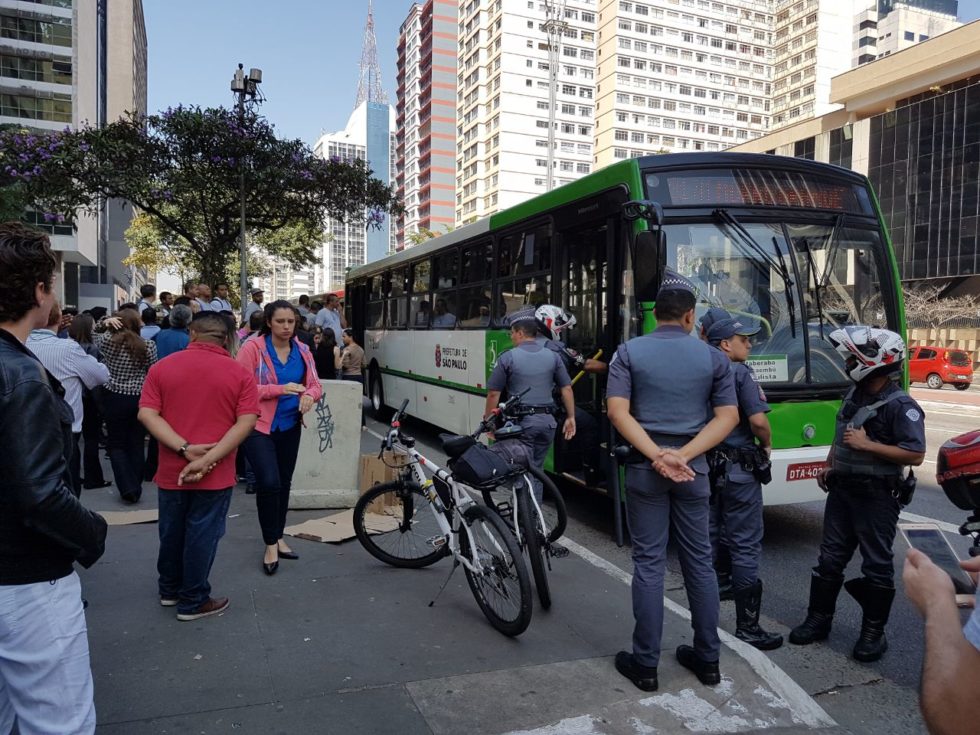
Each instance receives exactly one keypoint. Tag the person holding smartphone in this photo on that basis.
(951, 663)
(880, 431)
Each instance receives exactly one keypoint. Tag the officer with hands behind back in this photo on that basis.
(880, 430)
(736, 512)
(672, 397)
(530, 367)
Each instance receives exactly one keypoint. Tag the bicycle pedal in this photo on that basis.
(558, 551)
(437, 542)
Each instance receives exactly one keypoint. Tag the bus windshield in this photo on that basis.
(797, 281)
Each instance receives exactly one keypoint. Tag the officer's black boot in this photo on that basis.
(820, 613)
(748, 601)
(876, 604)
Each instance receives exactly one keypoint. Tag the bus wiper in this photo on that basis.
(816, 282)
(749, 242)
(725, 216)
(833, 244)
(790, 300)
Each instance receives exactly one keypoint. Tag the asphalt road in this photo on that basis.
(875, 698)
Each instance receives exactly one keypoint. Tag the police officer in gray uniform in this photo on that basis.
(672, 397)
(553, 323)
(736, 513)
(880, 430)
(531, 367)
(719, 547)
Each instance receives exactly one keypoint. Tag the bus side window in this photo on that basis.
(421, 299)
(474, 307)
(398, 299)
(477, 265)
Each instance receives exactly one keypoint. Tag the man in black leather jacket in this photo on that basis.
(44, 658)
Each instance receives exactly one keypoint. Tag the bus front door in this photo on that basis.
(585, 292)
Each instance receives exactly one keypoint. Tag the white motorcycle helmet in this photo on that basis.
(868, 350)
(553, 320)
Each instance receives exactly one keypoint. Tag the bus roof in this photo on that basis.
(628, 172)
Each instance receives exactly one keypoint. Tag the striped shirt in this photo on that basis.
(126, 375)
(71, 365)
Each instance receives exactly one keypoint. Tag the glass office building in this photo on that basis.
(924, 161)
(948, 7)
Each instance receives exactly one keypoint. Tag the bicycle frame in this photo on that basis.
(461, 501)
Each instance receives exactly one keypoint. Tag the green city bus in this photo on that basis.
(794, 246)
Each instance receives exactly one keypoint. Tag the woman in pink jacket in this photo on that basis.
(288, 387)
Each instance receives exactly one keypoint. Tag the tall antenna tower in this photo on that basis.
(555, 26)
(369, 87)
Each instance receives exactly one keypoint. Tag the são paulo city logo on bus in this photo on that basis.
(452, 358)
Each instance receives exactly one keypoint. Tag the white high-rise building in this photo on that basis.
(883, 29)
(502, 111)
(681, 76)
(345, 245)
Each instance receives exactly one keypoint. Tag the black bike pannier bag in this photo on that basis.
(479, 466)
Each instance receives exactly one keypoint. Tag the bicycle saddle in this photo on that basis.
(455, 444)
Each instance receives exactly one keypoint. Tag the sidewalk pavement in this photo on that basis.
(337, 642)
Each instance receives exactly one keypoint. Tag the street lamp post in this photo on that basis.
(555, 26)
(244, 87)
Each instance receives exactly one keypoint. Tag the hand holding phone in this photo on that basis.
(929, 539)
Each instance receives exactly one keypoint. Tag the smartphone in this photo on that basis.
(929, 539)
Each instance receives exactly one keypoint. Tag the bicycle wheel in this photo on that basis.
(503, 589)
(532, 537)
(553, 508)
(401, 530)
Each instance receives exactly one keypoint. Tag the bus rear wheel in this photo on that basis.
(376, 395)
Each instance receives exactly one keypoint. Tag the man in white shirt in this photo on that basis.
(220, 301)
(148, 294)
(254, 305)
(204, 297)
(330, 317)
(73, 367)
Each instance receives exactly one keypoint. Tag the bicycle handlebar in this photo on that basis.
(501, 409)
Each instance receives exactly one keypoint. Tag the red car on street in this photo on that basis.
(936, 366)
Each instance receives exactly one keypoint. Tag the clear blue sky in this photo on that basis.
(308, 51)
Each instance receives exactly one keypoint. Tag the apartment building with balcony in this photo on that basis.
(502, 102)
(425, 119)
(67, 63)
(886, 27)
(681, 75)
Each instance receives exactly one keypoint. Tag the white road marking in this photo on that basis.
(803, 705)
(949, 409)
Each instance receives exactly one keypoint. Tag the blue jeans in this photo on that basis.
(191, 524)
(272, 458)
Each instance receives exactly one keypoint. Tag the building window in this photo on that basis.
(55, 109)
(805, 148)
(56, 32)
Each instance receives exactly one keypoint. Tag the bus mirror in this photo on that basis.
(649, 262)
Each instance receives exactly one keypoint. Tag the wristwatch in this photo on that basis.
(183, 449)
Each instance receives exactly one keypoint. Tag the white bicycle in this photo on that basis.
(393, 525)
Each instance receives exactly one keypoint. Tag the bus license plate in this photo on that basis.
(804, 471)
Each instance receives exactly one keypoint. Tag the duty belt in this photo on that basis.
(534, 410)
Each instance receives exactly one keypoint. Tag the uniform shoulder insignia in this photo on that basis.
(762, 395)
(913, 414)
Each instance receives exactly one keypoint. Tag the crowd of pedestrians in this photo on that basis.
(202, 386)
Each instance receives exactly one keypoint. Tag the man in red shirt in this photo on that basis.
(199, 404)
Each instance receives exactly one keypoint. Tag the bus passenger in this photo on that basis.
(880, 430)
(736, 512)
(442, 318)
(553, 322)
(532, 368)
(672, 397)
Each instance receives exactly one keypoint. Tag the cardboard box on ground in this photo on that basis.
(376, 470)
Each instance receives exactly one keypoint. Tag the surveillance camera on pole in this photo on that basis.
(244, 86)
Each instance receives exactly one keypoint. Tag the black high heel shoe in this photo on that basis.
(288, 554)
(270, 569)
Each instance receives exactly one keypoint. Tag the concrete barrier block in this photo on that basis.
(326, 469)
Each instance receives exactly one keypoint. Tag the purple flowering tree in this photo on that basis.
(183, 168)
